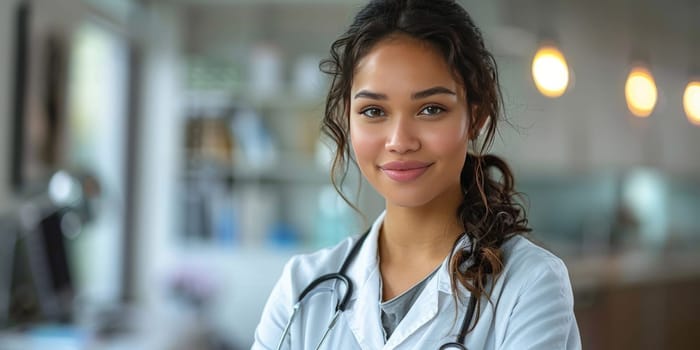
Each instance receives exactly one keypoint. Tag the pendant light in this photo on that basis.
(640, 91)
(691, 102)
(550, 71)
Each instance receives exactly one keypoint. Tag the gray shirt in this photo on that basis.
(394, 310)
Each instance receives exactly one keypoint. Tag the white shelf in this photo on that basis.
(217, 101)
(289, 168)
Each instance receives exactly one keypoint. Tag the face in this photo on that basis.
(408, 122)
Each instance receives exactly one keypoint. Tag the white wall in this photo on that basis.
(159, 152)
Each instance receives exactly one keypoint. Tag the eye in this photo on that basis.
(432, 110)
(372, 112)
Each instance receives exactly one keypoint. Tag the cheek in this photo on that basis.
(364, 142)
(449, 139)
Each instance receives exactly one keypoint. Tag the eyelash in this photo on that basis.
(372, 108)
(440, 110)
(375, 110)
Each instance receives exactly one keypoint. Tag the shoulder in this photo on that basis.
(297, 274)
(536, 303)
(520, 253)
(535, 307)
(303, 268)
(527, 264)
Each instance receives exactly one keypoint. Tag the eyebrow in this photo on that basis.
(415, 96)
(432, 91)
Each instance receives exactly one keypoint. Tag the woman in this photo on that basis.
(415, 94)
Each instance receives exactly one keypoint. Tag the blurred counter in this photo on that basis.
(632, 268)
(637, 300)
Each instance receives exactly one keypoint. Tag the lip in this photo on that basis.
(404, 171)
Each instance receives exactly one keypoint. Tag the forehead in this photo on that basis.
(403, 61)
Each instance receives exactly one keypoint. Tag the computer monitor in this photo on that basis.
(50, 266)
(40, 287)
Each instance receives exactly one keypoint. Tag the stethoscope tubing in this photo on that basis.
(342, 304)
(295, 309)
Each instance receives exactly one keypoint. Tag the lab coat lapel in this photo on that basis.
(423, 311)
(363, 317)
(363, 312)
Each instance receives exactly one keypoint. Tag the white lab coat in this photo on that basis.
(532, 305)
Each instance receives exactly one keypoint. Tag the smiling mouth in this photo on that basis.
(404, 171)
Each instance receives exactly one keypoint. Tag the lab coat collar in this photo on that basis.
(443, 276)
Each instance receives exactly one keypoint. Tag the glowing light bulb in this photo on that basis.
(691, 102)
(640, 92)
(550, 71)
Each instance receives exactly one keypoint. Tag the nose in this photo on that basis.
(402, 137)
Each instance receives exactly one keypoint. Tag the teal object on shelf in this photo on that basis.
(284, 235)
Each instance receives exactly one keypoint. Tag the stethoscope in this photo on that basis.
(342, 303)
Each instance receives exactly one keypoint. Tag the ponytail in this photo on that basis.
(490, 214)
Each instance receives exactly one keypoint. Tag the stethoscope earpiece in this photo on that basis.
(484, 127)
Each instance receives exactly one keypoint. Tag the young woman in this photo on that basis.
(415, 96)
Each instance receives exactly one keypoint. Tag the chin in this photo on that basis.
(408, 200)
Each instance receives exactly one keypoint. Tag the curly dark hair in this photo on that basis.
(490, 211)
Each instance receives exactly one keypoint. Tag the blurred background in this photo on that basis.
(161, 160)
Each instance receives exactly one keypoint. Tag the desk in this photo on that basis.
(68, 340)
(175, 329)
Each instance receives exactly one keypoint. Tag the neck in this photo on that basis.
(414, 241)
(424, 234)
